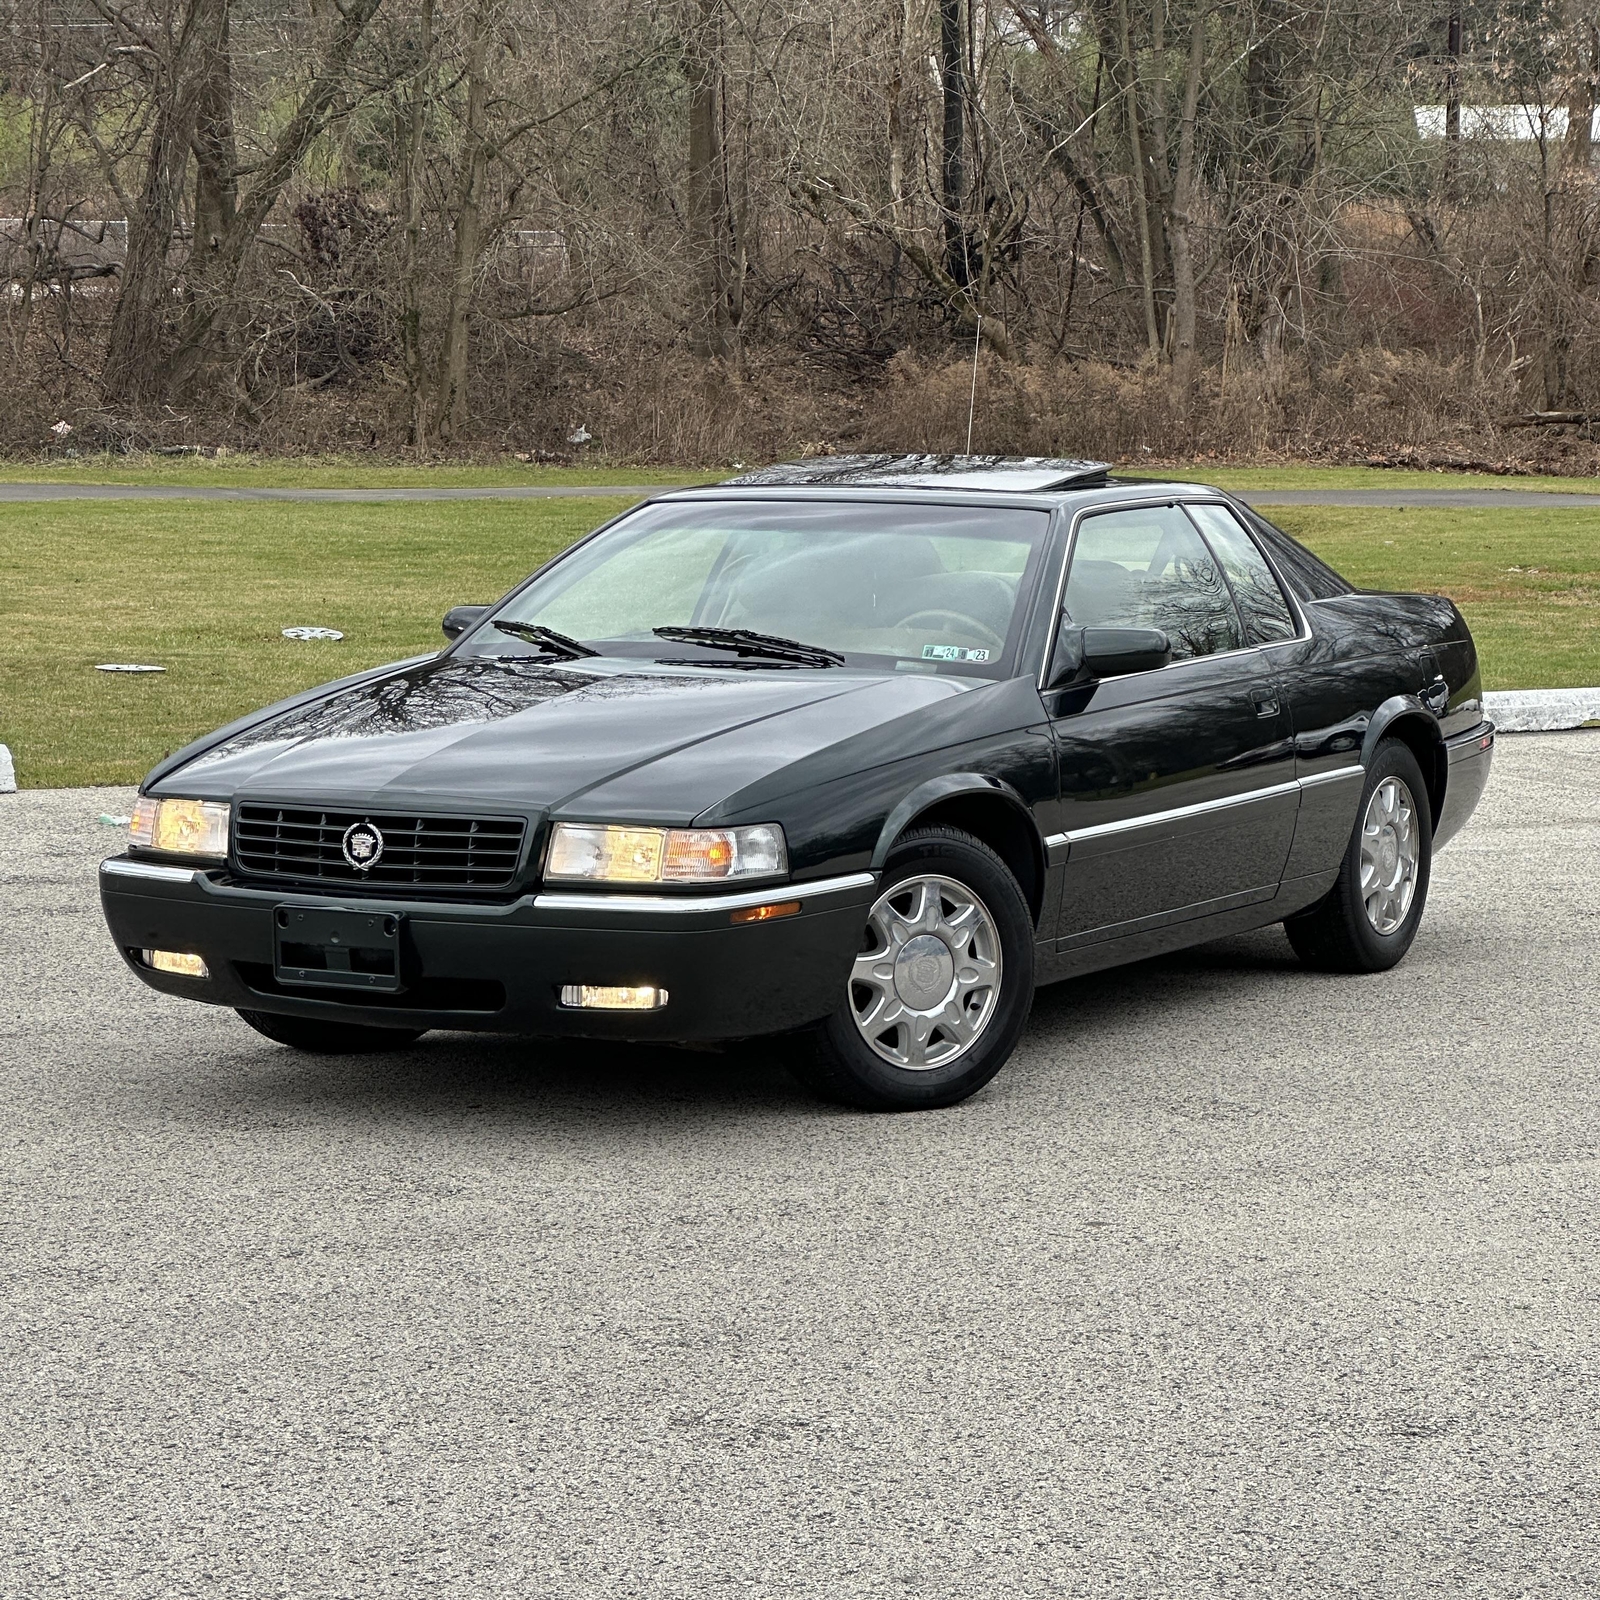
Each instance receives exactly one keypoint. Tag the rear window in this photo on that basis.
(1309, 577)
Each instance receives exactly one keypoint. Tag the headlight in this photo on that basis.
(181, 827)
(586, 852)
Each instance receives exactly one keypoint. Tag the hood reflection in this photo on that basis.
(443, 694)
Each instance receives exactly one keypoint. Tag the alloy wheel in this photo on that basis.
(927, 979)
(1389, 855)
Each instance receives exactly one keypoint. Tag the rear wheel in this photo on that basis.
(328, 1038)
(941, 987)
(1370, 916)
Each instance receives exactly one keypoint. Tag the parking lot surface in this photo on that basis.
(1239, 1280)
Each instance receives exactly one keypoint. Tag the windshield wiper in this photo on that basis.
(766, 646)
(556, 644)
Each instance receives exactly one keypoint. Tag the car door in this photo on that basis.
(1335, 676)
(1177, 789)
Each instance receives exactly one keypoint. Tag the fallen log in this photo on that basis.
(1544, 419)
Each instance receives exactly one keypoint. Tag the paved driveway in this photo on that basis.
(1238, 1281)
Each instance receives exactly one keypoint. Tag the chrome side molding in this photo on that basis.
(123, 867)
(1056, 844)
(689, 904)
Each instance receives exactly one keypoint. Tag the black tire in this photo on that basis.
(1336, 934)
(841, 1066)
(329, 1038)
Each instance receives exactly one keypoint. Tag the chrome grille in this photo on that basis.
(419, 852)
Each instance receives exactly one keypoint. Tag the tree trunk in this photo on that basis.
(411, 284)
(952, 146)
(1158, 152)
(1452, 100)
(712, 329)
(467, 209)
(132, 371)
(1129, 83)
(34, 239)
(1582, 88)
(216, 186)
(1180, 219)
(903, 23)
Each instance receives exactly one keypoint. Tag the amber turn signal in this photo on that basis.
(766, 913)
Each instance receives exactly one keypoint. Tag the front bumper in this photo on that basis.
(500, 969)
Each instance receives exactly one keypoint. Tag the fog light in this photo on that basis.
(186, 966)
(598, 997)
(778, 908)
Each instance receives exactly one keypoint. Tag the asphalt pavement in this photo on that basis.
(1415, 498)
(1239, 1280)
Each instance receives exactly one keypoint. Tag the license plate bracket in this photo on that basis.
(338, 948)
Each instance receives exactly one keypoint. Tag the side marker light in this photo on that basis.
(766, 913)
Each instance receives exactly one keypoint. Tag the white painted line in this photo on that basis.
(1542, 710)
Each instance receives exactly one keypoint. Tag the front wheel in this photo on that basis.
(1368, 919)
(328, 1038)
(941, 986)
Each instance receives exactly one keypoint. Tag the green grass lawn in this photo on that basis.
(203, 588)
(1527, 581)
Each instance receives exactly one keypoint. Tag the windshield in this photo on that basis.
(897, 587)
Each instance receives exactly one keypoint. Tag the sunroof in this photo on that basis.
(1022, 474)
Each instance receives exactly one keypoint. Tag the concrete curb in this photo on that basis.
(8, 773)
(1542, 710)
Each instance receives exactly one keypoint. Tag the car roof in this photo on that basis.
(1025, 474)
(1036, 481)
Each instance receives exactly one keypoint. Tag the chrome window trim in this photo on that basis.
(123, 867)
(1213, 499)
(685, 904)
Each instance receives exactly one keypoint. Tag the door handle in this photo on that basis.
(1265, 701)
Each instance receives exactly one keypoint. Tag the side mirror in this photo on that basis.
(1115, 652)
(459, 618)
(1084, 655)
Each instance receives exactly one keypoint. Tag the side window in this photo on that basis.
(1149, 569)
(1310, 578)
(1266, 613)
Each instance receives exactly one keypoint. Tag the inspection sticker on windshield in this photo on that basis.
(952, 652)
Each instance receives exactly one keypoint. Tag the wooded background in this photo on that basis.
(701, 229)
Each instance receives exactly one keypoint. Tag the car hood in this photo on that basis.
(603, 738)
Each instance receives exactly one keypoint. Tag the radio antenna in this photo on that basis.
(972, 399)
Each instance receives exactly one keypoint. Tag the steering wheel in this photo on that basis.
(937, 617)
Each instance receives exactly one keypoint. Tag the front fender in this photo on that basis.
(934, 791)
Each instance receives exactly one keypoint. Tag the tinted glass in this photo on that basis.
(1149, 569)
(1266, 613)
(905, 587)
(1309, 577)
